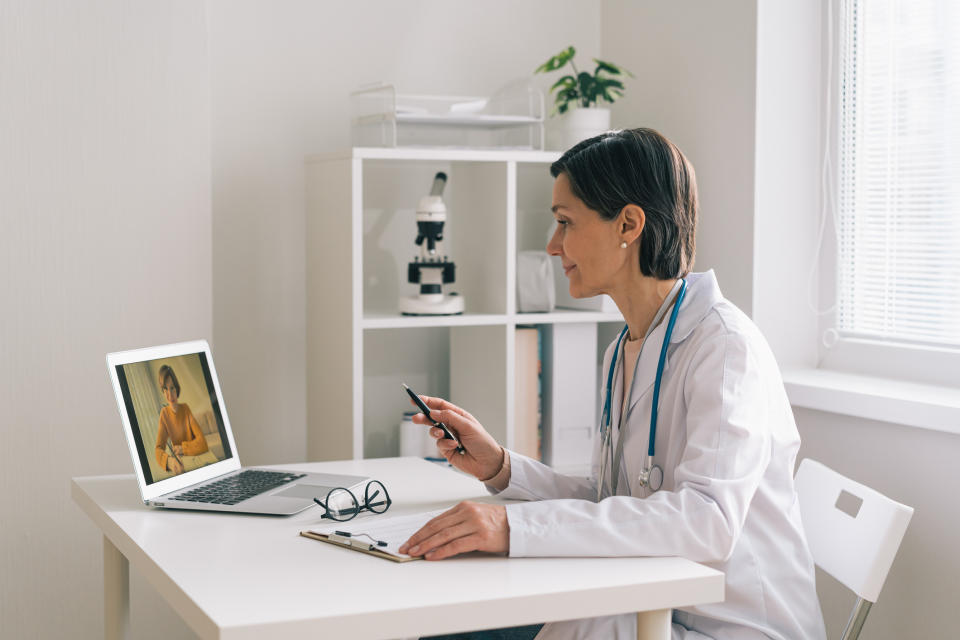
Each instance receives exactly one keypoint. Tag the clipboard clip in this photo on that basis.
(349, 540)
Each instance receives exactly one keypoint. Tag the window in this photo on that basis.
(898, 181)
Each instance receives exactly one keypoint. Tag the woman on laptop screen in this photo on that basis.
(178, 433)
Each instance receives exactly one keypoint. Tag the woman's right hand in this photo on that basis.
(173, 466)
(482, 457)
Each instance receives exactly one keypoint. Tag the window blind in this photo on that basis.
(898, 217)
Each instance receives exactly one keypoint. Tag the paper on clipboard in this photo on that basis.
(392, 530)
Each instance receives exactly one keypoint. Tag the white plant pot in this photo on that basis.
(577, 125)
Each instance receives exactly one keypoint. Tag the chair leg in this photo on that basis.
(857, 617)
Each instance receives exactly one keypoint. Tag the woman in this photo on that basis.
(720, 487)
(178, 430)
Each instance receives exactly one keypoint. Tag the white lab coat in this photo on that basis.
(727, 442)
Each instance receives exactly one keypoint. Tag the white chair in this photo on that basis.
(853, 532)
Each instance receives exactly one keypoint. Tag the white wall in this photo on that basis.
(280, 78)
(104, 245)
(695, 65)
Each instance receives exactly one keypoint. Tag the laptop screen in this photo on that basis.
(174, 415)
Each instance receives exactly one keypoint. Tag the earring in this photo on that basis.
(623, 245)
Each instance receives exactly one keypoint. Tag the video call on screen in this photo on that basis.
(174, 415)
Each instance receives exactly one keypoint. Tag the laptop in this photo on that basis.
(183, 449)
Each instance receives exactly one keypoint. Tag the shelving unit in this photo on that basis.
(360, 232)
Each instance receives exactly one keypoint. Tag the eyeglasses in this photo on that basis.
(342, 505)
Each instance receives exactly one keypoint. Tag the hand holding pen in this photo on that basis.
(482, 457)
(425, 410)
(174, 463)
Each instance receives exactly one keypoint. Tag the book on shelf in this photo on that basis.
(526, 434)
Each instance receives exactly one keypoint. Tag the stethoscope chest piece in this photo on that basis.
(652, 478)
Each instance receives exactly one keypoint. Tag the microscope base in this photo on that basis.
(449, 305)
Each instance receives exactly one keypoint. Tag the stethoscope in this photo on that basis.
(651, 475)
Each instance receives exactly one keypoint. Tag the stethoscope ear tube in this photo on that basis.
(660, 365)
(605, 431)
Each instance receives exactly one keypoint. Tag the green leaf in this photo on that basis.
(606, 66)
(588, 89)
(557, 61)
(566, 55)
(565, 81)
(585, 80)
(564, 98)
(549, 65)
(611, 68)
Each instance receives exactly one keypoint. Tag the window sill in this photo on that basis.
(887, 400)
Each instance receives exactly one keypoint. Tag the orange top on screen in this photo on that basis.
(182, 428)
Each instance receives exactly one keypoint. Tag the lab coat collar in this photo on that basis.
(703, 293)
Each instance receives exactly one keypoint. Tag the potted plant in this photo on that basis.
(577, 95)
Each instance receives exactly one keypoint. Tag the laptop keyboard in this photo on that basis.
(246, 484)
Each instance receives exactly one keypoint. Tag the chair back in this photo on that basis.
(853, 531)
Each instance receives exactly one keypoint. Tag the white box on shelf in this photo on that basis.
(536, 291)
(569, 395)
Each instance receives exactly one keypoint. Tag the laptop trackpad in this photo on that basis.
(304, 491)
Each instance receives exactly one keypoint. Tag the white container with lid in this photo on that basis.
(415, 438)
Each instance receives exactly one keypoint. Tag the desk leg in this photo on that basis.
(116, 593)
(654, 625)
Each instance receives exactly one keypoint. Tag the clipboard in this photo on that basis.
(356, 545)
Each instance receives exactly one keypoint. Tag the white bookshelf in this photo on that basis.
(360, 231)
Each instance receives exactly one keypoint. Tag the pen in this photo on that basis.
(426, 411)
(174, 453)
(347, 534)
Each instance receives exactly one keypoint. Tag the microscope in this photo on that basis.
(431, 269)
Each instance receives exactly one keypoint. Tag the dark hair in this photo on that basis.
(167, 372)
(641, 167)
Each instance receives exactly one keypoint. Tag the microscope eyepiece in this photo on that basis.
(439, 182)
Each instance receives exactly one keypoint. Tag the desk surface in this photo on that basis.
(258, 578)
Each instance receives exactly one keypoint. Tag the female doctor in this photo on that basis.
(697, 443)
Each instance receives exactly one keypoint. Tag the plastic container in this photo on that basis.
(512, 118)
(415, 438)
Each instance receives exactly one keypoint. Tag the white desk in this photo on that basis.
(319, 590)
